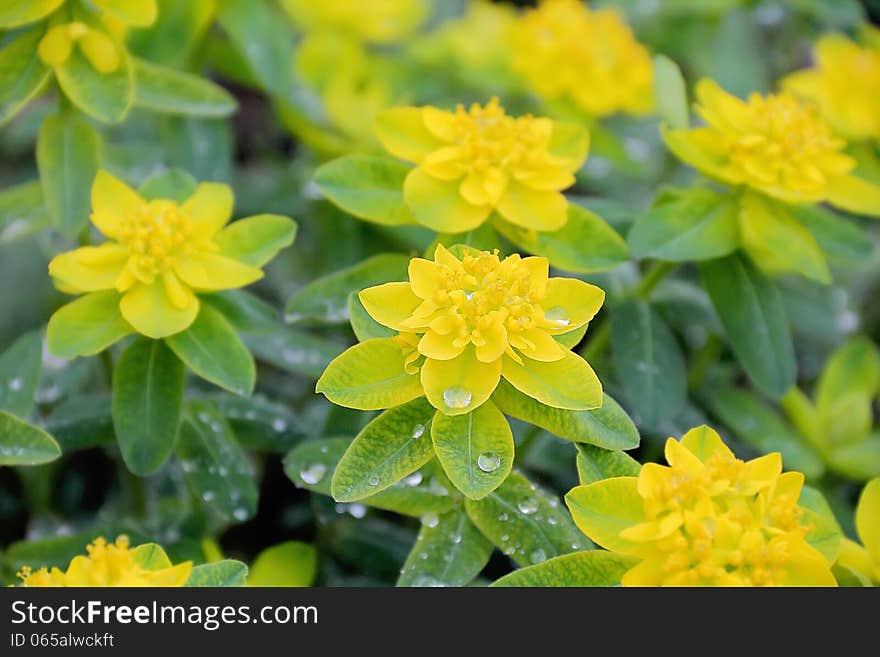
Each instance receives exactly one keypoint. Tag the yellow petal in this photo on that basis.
(568, 383)
(90, 268)
(537, 344)
(439, 122)
(494, 342)
(854, 556)
(112, 202)
(570, 303)
(655, 529)
(854, 195)
(140, 13)
(210, 271)
(720, 109)
(101, 52)
(764, 470)
(55, 47)
(702, 149)
(704, 441)
(178, 294)
(403, 133)
(458, 386)
(680, 457)
(149, 310)
(603, 509)
(174, 576)
(649, 572)
(439, 205)
(533, 209)
(424, 277)
(868, 519)
(390, 304)
(546, 178)
(539, 273)
(209, 208)
(439, 347)
(805, 566)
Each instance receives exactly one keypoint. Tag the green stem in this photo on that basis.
(135, 490)
(703, 360)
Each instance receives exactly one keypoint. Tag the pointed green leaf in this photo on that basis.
(163, 89)
(648, 363)
(87, 325)
(105, 97)
(20, 374)
(608, 427)
(842, 241)
(389, 448)
(226, 573)
(671, 92)
(860, 461)
(751, 310)
(475, 449)
(449, 551)
(595, 464)
(256, 240)
(364, 326)
(82, 422)
(22, 212)
(21, 12)
(22, 73)
(258, 423)
(148, 383)
(151, 556)
(288, 564)
(525, 522)
(68, 157)
(24, 444)
(367, 186)
(590, 568)
(211, 349)
(245, 311)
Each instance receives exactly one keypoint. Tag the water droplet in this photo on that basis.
(204, 417)
(538, 556)
(222, 471)
(314, 473)
(279, 425)
(216, 427)
(436, 488)
(528, 506)
(188, 466)
(505, 538)
(488, 461)
(552, 521)
(357, 510)
(414, 479)
(456, 538)
(208, 495)
(373, 481)
(575, 546)
(457, 397)
(426, 581)
(509, 550)
(241, 514)
(557, 315)
(430, 520)
(503, 517)
(423, 556)
(418, 430)
(323, 449)
(16, 384)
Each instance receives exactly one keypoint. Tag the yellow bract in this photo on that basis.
(844, 85)
(159, 255)
(568, 52)
(775, 144)
(55, 48)
(466, 322)
(476, 160)
(377, 21)
(706, 519)
(113, 564)
(865, 559)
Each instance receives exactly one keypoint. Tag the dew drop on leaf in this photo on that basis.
(528, 506)
(314, 473)
(418, 430)
(557, 315)
(488, 461)
(373, 481)
(538, 556)
(430, 520)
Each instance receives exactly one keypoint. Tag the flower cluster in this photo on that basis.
(844, 85)
(464, 322)
(706, 519)
(112, 564)
(476, 160)
(586, 58)
(373, 21)
(776, 145)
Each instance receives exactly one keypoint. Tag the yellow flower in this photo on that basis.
(376, 21)
(775, 144)
(567, 52)
(113, 564)
(160, 254)
(865, 559)
(464, 323)
(473, 161)
(844, 85)
(706, 519)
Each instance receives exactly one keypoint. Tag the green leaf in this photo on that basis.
(163, 89)
(256, 240)
(105, 97)
(370, 376)
(211, 349)
(259, 424)
(389, 448)
(151, 556)
(449, 551)
(204, 147)
(60, 550)
(22, 212)
(21, 12)
(364, 326)
(860, 461)
(226, 573)
(826, 534)
(687, 225)
(214, 465)
(586, 243)
(293, 351)
(20, 374)
(846, 389)
(288, 564)
(82, 422)
(842, 241)
(608, 427)
(751, 310)
(175, 184)
(68, 157)
(325, 299)
(246, 312)
(427, 490)
(755, 423)
(22, 73)
(648, 363)
(475, 449)
(367, 186)
(595, 464)
(589, 568)
(24, 444)
(525, 522)
(148, 383)
(87, 325)
(670, 92)
(261, 35)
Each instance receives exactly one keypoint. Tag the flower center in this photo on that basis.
(159, 232)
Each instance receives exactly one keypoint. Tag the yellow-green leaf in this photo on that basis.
(24, 444)
(590, 568)
(87, 325)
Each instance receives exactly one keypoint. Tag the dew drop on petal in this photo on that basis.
(557, 315)
(457, 397)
